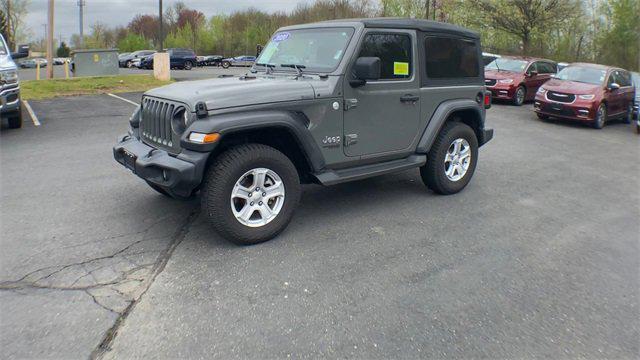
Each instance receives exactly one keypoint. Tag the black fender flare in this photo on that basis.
(440, 116)
(226, 124)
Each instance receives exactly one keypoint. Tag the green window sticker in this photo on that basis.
(401, 68)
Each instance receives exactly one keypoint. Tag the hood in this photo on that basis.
(571, 87)
(237, 91)
(6, 63)
(502, 74)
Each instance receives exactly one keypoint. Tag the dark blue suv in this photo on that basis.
(178, 59)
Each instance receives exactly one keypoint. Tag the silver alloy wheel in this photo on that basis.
(520, 96)
(457, 159)
(257, 197)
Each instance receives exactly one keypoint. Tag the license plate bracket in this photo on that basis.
(129, 160)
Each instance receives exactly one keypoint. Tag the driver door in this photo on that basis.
(382, 116)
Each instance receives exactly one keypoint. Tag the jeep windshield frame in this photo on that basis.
(316, 50)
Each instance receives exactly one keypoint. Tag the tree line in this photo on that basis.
(602, 31)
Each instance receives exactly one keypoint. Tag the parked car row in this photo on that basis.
(182, 59)
(32, 63)
(579, 91)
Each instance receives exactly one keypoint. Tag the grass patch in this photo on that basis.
(44, 89)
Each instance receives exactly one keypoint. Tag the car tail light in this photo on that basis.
(487, 99)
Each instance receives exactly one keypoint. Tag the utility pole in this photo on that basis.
(50, 42)
(81, 4)
(160, 18)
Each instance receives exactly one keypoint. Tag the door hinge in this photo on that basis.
(350, 104)
(350, 139)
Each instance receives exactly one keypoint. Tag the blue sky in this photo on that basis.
(120, 12)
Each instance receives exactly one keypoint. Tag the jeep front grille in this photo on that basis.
(156, 123)
(560, 97)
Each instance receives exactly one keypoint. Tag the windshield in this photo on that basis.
(317, 50)
(636, 80)
(582, 74)
(507, 64)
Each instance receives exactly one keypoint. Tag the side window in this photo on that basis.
(611, 78)
(533, 67)
(450, 58)
(624, 78)
(546, 68)
(394, 51)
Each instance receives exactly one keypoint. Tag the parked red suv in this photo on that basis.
(517, 78)
(587, 92)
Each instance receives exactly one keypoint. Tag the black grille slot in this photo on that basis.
(560, 97)
(155, 125)
(489, 82)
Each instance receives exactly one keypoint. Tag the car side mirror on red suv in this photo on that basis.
(614, 86)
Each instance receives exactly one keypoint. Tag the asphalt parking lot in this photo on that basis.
(537, 258)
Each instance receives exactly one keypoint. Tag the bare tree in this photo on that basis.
(16, 13)
(523, 17)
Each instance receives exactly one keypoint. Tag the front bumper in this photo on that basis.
(179, 175)
(9, 98)
(578, 110)
(502, 91)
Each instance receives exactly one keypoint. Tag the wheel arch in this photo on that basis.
(464, 110)
(284, 131)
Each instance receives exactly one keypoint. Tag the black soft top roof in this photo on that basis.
(415, 24)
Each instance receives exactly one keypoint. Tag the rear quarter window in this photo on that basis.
(451, 58)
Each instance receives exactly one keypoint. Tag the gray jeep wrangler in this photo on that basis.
(325, 103)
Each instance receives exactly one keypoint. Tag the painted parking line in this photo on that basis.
(33, 116)
(123, 99)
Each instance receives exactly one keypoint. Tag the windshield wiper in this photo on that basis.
(268, 67)
(295, 66)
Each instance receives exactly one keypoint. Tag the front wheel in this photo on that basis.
(601, 117)
(250, 192)
(15, 119)
(519, 95)
(188, 65)
(129, 64)
(452, 159)
(226, 64)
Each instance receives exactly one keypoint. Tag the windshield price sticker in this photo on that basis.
(400, 68)
(280, 37)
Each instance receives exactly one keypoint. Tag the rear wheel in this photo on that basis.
(452, 159)
(601, 117)
(188, 65)
(15, 119)
(250, 193)
(226, 64)
(129, 64)
(519, 95)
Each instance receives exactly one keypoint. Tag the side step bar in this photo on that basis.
(331, 177)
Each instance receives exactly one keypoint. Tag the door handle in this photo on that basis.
(409, 98)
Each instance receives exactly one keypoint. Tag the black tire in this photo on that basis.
(601, 117)
(15, 119)
(519, 96)
(129, 64)
(158, 189)
(222, 176)
(542, 116)
(188, 65)
(433, 172)
(226, 64)
(628, 117)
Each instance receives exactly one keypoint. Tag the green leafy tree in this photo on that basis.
(619, 44)
(63, 50)
(132, 42)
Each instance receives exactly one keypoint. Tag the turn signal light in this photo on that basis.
(200, 138)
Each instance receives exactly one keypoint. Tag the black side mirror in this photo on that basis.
(365, 68)
(614, 86)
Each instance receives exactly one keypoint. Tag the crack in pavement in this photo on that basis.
(158, 267)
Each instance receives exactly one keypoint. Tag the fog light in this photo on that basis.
(201, 138)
